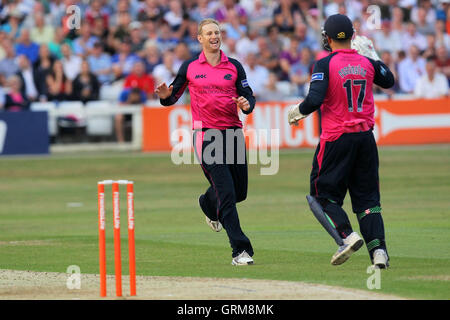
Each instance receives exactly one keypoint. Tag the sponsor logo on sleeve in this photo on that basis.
(244, 83)
(317, 76)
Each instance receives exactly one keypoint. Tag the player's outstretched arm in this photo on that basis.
(163, 91)
(170, 95)
(317, 92)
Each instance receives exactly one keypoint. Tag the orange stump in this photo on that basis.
(101, 238)
(116, 223)
(116, 219)
(131, 243)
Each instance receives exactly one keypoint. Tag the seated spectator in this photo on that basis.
(71, 62)
(284, 16)
(412, 37)
(59, 86)
(100, 64)
(100, 31)
(443, 62)
(84, 42)
(388, 59)
(13, 26)
(300, 71)
(152, 58)
(257, 75)
(260, 17)
(267, 57)
(26, 46)
(431, 46)
(276, 42)
(387, 39)
(204, 9)
(272, 90)
(233, 26)
(86, 86)
(229, 7)
(431, 85)
(41, 32)
(8, 65)
(174, 16)
(305, 39)
(119, 29)
(289, 57)
(135, 97)
(423, 26)
(191, 38)
(28, 78)
(247, 44)
(150, 31)
(166, 41)
(138, 79)
(423, 11)
(352, 8)
(411, 69)
(96, 11)
(166, 71)
(151, 11)
(14, 99)
(182, 53)
(137, 41)
(42, 67)
(442, 32)
(58, 40)
(123, 60)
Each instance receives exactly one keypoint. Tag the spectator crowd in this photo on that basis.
(134, 45)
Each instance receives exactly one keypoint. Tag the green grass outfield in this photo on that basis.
(53, 200)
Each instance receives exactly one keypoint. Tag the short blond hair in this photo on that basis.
(205, 22)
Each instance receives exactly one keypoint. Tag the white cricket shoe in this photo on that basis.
(351, 244)
(214, 225)
(243, 259)
(380, 259)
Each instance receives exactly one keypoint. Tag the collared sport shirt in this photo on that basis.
(341, 86)
(211, 90)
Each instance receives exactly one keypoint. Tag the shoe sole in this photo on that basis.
(241, 264)
(345, 255)
(381, 264)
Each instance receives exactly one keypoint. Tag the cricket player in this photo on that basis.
(218, 87)
(346, 157)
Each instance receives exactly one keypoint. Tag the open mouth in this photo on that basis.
(214, 43)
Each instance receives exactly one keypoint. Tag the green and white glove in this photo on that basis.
(294, 115)
(365, 47)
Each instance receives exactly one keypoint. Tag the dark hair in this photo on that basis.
(431, 58)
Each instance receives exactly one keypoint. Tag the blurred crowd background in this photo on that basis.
(121, 49)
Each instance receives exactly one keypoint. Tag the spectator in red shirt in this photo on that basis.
(137, 88)
(443, 62)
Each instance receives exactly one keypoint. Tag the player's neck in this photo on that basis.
(212, 57)
(340, 47)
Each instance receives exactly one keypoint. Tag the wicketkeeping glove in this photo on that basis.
(294, 115)
(365, 47)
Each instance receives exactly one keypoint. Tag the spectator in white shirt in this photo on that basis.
(410, 70)
(387, 39)
(412, 37)
(71, 62)
(432, 85)
(257, 75)
(27, 76)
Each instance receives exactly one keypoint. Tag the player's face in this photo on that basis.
(210, 38)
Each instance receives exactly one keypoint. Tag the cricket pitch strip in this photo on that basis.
(32, 285)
